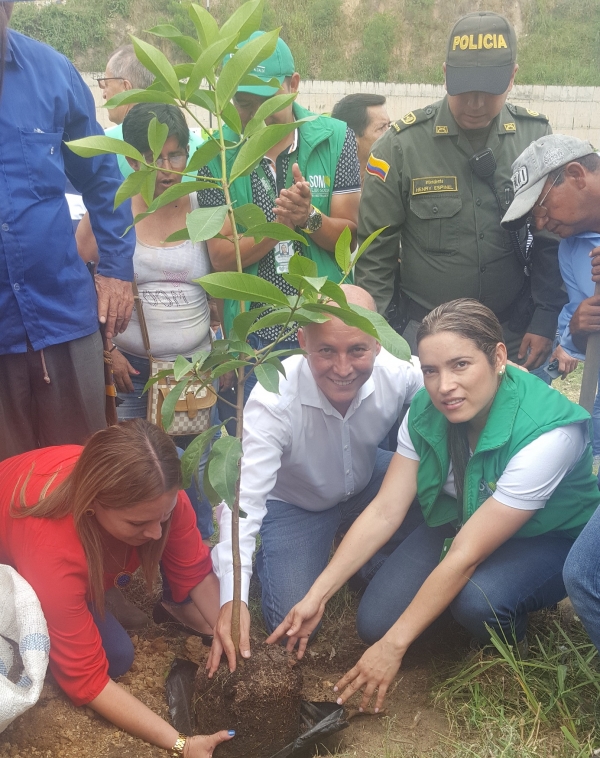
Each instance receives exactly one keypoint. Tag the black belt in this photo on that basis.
(418, 312)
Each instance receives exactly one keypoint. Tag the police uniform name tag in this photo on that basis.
(283, 251)
(426, 184)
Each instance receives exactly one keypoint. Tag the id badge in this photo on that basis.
(283, 251)
(447, 545)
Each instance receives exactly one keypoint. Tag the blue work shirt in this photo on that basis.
(46, 292)
(576, 269)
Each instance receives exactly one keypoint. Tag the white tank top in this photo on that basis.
(176, 309)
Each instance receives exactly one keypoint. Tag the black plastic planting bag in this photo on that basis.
(317, 720)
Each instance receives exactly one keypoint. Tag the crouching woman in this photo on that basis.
(75, 521)
(502, 468)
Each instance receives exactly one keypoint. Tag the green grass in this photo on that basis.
(367, 40)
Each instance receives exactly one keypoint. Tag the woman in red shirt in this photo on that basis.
(76, 521)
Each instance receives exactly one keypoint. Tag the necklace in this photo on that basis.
(123, 578)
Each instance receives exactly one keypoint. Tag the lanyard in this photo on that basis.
(279, 185)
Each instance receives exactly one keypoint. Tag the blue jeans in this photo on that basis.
(596, 422)
(296, 544)
(582, 577)
(134, 405)
(521, 576)
(258, 343)
(116, 643)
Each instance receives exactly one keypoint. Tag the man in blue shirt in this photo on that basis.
(52, 388)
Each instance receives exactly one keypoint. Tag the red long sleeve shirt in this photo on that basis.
(49, 555)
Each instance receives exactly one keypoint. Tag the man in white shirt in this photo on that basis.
(311, 465)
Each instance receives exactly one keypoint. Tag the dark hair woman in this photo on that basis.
(501, 465)
(75, 521)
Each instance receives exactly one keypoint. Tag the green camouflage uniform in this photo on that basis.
(419, 183)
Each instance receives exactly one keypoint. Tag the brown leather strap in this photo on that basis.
(141, 318)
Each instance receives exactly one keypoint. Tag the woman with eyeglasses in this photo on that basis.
(175, 307)
(501, 466)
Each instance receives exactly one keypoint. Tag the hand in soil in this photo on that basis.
(299, 624)
(223, 643)
(202, 746)
(374, 672)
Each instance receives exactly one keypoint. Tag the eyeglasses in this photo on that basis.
(103, 79)
(176, 160)
(538, 210)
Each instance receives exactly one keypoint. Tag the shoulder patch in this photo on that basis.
(413, 117)
(441, 130)
(528, 113)
(510, 127)
(377, 167)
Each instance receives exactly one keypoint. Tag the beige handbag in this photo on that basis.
(193, 409)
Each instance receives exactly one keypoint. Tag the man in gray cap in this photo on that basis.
(557, 184)
(439, 179)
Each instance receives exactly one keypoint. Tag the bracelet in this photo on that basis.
(114, 347)
(177, 750)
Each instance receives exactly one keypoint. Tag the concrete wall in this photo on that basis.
(571, 110)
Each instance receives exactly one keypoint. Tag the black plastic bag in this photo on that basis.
(317, 720)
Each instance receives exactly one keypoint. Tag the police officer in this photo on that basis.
(440, 180)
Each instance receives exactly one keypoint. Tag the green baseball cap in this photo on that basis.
(482, 51)
(276, 66)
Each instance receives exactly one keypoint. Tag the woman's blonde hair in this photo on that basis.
(120, 466)
(473, 321)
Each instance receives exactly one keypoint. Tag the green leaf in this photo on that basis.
(232, 285)
(274, 230)
(156, 62)
(304, 316)
(205, 98)
(259, 144)
(224, 467)
(349, 317)
(286, 353)
(179, 236)
(387, 337)
(302, 283)
(130, 187)
(242, 62)
(203, 155)
(157, 136)
(343, 254)
(249, 215)
(132, 96)
(245, 20)
(334, 292)
(303, 266)
(88, 147)
(183, 71)
(181, 367)
(274, 318)
(167, 412)
(188, 44)
(225, 368)
(274, 361)
(205, 65)
(270, 106)
(157, 377)
(244, 320)
(176, 191)
(237, 346)
(268, 376)
(213, 497)
(204, 223)
(148, 186)
(366, 244)
(190, 460)
(206, 26)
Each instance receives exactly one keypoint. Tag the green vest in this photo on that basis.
(320, 146)
(523, 409)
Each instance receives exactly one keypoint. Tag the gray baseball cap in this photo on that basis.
(530, 170)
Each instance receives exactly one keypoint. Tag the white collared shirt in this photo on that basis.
(299, 449)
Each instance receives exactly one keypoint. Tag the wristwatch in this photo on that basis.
(177, 750)
(314, 221)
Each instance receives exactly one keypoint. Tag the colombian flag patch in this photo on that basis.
(377, 167)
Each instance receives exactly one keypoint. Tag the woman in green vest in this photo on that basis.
(501, 465)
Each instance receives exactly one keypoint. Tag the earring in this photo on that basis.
(90, 512)
(501, 372)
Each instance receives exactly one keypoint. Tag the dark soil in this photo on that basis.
(260, 700)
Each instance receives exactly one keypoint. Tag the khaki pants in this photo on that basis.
(34, 413)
